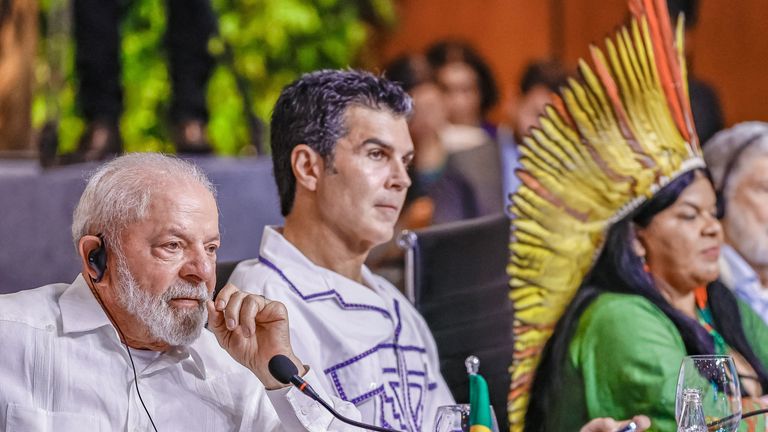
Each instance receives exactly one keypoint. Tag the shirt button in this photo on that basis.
(50, 328)
(373, 385)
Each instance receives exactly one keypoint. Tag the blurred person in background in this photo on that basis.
(478, 181)
(190, 25)
(427, 122)
(738, 159)
(470, 92)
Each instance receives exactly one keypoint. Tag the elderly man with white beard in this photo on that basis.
(123, 346)
(738, 160)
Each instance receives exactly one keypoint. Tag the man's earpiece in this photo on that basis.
(97, 260)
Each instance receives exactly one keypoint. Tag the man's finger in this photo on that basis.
(215, 318)
(603, 424)
(642, 422)
(232, 311)
(251, 306)
(222, 298)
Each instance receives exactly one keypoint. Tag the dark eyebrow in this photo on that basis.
(378, 142)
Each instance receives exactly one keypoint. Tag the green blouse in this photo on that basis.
(624, 360)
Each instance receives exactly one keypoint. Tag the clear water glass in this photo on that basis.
(715, 379)
(455, 418)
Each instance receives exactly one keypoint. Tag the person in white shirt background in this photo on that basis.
(738, 160)
(341, 148)
(146, 231)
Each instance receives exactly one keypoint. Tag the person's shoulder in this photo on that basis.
(252, 276)
(618, 313)
(36, 307)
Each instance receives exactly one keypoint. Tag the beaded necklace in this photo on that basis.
(704, 314)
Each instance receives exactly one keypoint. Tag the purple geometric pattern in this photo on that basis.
(400, 400)
(332, 292)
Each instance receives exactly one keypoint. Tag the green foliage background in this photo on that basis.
(273, 41)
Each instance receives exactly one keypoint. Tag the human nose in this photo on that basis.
(399, 178)
(712, 227)
(199, 266)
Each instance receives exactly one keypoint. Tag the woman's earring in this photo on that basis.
(646, 268)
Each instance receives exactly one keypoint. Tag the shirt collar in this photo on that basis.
(737, 272)
(314, 282)
(80, 311)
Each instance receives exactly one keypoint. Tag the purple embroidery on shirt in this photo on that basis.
(403, 383)
(386, 400)
(362, 398)
(337, 384)
(344, 304)
(366, 353)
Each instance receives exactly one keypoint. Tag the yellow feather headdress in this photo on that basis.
(608, 144)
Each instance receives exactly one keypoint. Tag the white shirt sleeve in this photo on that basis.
(298, 411)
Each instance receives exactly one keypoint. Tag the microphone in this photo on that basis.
(724, 420)
(283, 369)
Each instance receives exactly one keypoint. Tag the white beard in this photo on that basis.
(748, 237)
(176, 327)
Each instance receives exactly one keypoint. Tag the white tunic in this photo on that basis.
(63, 368)
(371, 344)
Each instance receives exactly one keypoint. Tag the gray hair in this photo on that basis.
(119, 192)
(720, 150)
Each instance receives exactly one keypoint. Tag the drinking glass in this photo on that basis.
(455, 418)
(714, 377)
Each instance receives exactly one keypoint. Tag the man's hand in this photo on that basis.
(252, 330)
(611, 425)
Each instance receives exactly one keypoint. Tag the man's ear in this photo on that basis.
(307, 166)
(88, 248)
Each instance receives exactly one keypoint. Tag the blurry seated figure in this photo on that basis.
(478, 181)
(123, 346)
(427, 123)
(468, 85)
(614, 262)
(738, 159)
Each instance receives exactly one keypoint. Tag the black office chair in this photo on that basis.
(456, 277)
(224, 270)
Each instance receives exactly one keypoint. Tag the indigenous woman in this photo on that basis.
(615, 259)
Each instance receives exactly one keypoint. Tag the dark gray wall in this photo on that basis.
(36, 214)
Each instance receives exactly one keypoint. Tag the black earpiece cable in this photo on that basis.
(130, 357)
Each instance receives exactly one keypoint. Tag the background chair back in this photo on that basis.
(456, 276)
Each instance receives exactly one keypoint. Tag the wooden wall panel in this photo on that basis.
(508, 33)
(731, 51)
(730, 44)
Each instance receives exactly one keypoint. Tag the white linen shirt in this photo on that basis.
(63, 368)
(741, 278)
(372, 346)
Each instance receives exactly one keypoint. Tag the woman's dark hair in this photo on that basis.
(620, 269)
(450, 51)
(410, 71)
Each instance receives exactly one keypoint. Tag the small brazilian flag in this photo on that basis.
(479, 405)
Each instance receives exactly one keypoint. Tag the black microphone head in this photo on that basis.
(282, 368)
